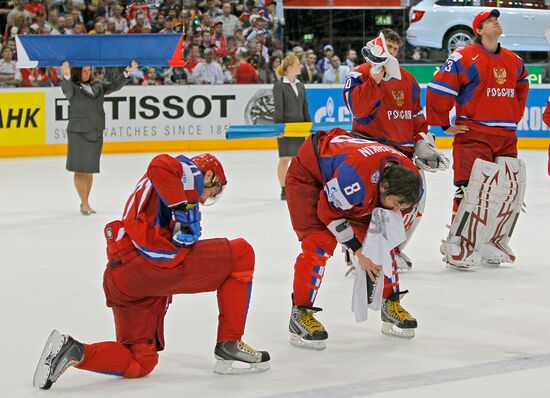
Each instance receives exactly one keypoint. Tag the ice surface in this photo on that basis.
(484, 333)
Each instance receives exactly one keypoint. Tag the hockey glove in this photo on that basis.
(187, 227)
(376, 53)
(427, 156)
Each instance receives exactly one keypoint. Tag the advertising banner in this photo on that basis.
(197, 115)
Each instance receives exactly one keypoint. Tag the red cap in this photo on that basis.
(482, 16)
(206, 162)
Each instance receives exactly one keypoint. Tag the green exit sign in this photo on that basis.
(382, 20)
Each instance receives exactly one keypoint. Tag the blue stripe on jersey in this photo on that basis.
(467, 91)
(319, 251)
(164, 215)
(351, 184)
(110, 373)
(156, 255)
(197, 174)
(415, 92)
(328, 165)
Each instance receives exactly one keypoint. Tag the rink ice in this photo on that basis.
(484, 333)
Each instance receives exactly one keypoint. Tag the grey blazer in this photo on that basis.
(290, 107)
(86, 114)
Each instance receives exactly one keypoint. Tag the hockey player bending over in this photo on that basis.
(155, 252)
(488, 85)
(384, 100)
(333, 185)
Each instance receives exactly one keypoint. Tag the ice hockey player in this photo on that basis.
(384, 101)
(488, 86)
(333, 185)
(154, 252)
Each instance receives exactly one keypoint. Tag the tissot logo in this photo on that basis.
(151, 107)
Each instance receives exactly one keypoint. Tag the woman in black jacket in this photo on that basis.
(86, 124)
(290, 106)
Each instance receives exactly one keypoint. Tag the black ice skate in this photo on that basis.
(396, 321)
(305, 330)
(230, 353)
(60, 352)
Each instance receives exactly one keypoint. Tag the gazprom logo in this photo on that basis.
(327, 113)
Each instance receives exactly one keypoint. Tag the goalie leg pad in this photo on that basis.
(511, 193)
(469, 228)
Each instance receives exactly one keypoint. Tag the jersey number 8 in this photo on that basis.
(350, 189)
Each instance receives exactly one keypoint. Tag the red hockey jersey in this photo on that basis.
(489, 90)
(351, 170)
(391, 109)
(147, 217)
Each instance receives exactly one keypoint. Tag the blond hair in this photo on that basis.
(289, 60)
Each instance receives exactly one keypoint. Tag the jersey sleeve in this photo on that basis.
(173, 180)
(522, 89)
(362, 96)
(419, 120)
(443, 90)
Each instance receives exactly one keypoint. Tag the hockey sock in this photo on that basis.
(391, 285)
(234, 293)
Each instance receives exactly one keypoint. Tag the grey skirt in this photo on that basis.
(288, 146)
(84, 151)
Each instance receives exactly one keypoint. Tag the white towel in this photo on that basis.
(386, 231)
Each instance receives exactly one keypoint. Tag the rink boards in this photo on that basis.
(191, 118)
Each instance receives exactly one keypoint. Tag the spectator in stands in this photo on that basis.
(140, 23)
(299, 52)
(105, 9)
(268, 75)
(227, 65)
(351, 59)
(53, 14)
(12, 46)
(59, 28)
(158, 23)
(218, 39)
(207, 72)
(10, 76)
(289, 95)
(121, 22)
(168, 26)
(69, 24)
(19, 21)
(138, 6)
(19, 7)
(310, 72)
(111, 26)
(151, 77)
(169, 5)
(36, 77)
(211, 10)
(99, 27)
(192, 56)
(243, 71)
(79, 29)
(34, 7)
(324, 63)
(230, 21)
(337, 74)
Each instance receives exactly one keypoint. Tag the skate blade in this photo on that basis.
(43, 369)
(389, 329)
(459, 266)
(351, 271)
(231, 367)
(297, 341)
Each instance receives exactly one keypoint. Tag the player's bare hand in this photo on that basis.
(373, 270)
(377, 77)
(457, 129)
(66, 68)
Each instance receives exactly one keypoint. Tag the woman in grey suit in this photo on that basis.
(86, 124)
(289, 95)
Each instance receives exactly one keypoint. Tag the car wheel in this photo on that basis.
(457, 38)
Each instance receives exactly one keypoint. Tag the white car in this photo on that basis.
(447, 24)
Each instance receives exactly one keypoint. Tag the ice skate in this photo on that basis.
(403, 261)
(236, 357)
(305, 330)
(60, 352)
(454, 258)
(396, 321)
(495, 255)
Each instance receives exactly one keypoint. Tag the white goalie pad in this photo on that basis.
(487, 213)
(496, 249)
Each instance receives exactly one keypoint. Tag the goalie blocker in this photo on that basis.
(485, 219)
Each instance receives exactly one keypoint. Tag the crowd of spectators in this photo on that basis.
(225, 41)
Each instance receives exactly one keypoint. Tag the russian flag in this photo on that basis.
(99, 50)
